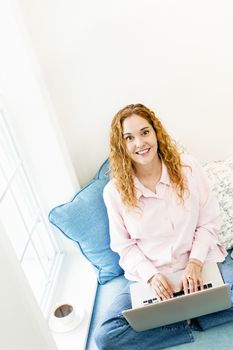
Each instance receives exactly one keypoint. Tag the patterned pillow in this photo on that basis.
(220, 174)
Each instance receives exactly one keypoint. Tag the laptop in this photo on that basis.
(147, 312)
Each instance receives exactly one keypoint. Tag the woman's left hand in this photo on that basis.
(192, 279)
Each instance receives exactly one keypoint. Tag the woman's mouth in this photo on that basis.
(143, 152)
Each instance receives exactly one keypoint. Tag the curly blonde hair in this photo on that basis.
(121, 165)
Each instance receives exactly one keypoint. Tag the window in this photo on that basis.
(22, 217)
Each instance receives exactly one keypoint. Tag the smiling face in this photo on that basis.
(140, 140)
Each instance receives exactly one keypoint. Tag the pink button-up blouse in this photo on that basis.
(162, 234)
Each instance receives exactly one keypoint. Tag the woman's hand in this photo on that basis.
(162, 287)
(192, 279)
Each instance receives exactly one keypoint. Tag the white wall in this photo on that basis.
(31, 113)
(174, 56)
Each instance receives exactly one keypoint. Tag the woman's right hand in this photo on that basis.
(163, 288)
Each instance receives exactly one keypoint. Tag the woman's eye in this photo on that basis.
(146, 132)
(129, 138)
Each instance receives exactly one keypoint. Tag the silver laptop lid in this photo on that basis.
(183, 307)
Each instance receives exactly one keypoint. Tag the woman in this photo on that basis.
(163, 218)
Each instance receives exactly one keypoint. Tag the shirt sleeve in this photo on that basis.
(135, 264)
(206, 234)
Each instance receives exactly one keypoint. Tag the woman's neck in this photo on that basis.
(150, 171)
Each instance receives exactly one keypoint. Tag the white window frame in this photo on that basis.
(51, 272)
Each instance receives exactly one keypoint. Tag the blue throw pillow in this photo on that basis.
(103, 172)
(84, 220)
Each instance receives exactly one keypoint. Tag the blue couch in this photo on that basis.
(213, 339)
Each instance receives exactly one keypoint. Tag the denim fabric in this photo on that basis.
(207, 321)
(115, 333)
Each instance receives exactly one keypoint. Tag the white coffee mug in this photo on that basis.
(65, 317)
(64, 313)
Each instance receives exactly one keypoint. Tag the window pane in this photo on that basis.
(24, 198)
(13, 223)
(44, 246)
(34, 272)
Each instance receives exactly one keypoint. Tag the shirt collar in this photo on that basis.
(164, 176)
(142, 190)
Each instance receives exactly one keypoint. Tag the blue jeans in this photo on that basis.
(115, 333)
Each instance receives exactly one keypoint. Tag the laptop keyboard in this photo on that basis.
(176, 294)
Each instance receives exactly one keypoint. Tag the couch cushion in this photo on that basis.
(84, 220)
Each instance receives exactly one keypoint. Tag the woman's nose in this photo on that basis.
(139, 142)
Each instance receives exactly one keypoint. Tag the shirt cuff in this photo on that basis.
(146, 270)
(200, 250)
